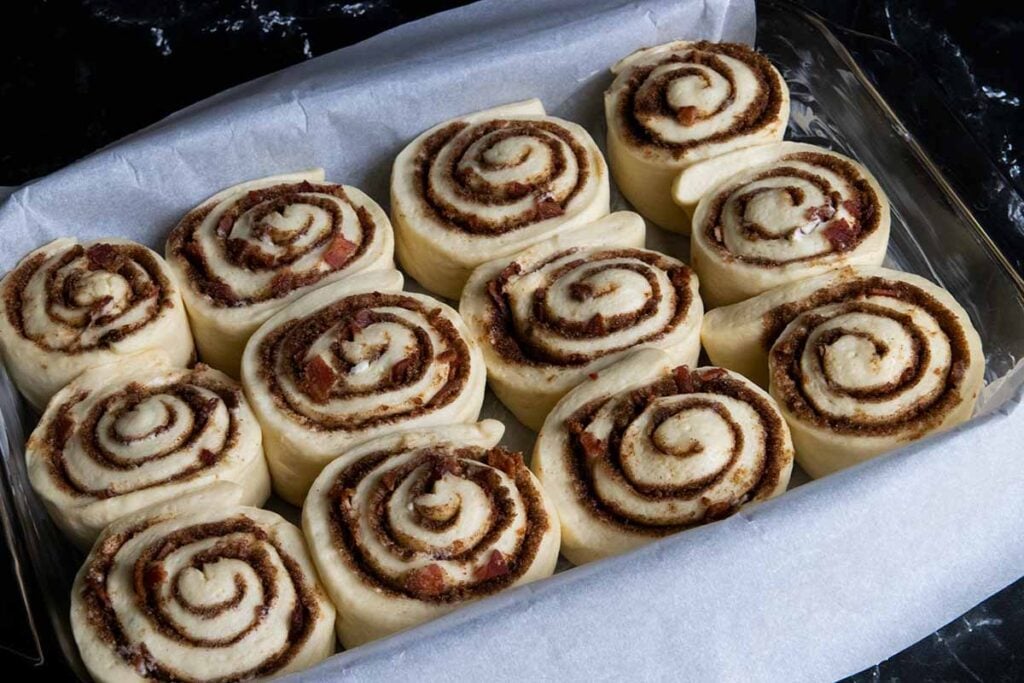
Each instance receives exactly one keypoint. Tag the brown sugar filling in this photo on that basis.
(471, 187)
(63, 426)
(184, 245)
(429, 465)
(581, 451)
(508, 341)
(242, 539)
(924, 415)
(634, 105)
(134, 263)
(284, 350)
(864, 206)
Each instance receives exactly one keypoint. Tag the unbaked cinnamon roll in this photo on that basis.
(861, 361)
(120, 438)
(353, 360)
(563, 309)
(410, 526)
(768, 215)
(489, 184)
(68, 307)
(679, 103)
(649, 448)
(253, 248)
(196, 590)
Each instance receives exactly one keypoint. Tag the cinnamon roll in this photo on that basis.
(487, 185)
(196, 590)
(650, 448)
(120, 438)
(563, 309)
(353, 360)
(860, 360)
(773, 214)
(253, 248)
(68, 307)
(410, 526)
(672, 105)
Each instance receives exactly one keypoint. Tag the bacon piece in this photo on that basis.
(224, 224)
(207, 457)
(153, 575)
(596, 326)
(679, 277)
(592, 375)
(686, 115)
(306, 186)
(495, 566)
(426, 582)
(318, 379)
(338, 251)
(592, 446)
(103, 257)
(447, 465)
(685, 383)
(447, 356)
(505, 460)
(360, 320)
(712, 373)
(390, 478)
(549, 207)
(841, 234)
(854, 207)
(717, 511)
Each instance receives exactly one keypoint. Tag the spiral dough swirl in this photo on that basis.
(549, 321)
(222, 596)
(68, 307)
(426, 522)
(647, 450)
(358, 364)
(118, 439)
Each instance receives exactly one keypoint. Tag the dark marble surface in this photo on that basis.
(76, 76)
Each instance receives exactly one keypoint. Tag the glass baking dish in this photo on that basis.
(934, 234)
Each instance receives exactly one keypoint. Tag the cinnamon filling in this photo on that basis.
(65, 277)
(508, 338)
(286, 246)
(843, 236)
(243, 540)
(471, 187)
(284, 351)
(644, 97)
(583, 451)
(430, 583)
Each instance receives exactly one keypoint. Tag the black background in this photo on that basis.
(75, 76)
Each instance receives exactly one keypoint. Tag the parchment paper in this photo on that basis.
(822, 582)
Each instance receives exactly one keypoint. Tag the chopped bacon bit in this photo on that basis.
(717, 511)
(224, 224)
(596, 325)
(318, 378)
(854, 207)
(580, 291)
(819, 213)
(153, 575)
(593, 447)
(447, 465)
(592, 375)
(841, 234)
(495, 566)
(435, 315)
(339, 251)
(447, 356)
(102, 256)
(363, 317)
(207, 457)
(505, 460)
(254, 195)
(515, 190)
(686, 115)
(400, 371)
(426, 582)
(306, 186)
(684, 380)
(679, 277)
(549, 207)
(390, 478)
(712, 373)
